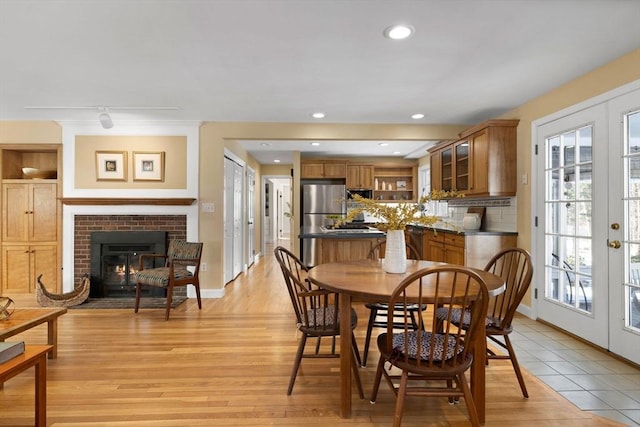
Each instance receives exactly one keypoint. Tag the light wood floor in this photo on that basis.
(229, 364)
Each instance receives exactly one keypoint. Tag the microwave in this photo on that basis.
(367, 194)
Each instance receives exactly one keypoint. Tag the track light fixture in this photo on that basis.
(105, 120)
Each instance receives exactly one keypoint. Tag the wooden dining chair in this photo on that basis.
(180, 255)
(515, 267)
(378, 311)
(433, 361)
(316, 314)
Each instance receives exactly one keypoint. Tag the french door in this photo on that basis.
(588, 231)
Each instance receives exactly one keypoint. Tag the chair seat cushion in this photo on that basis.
(323, 317)
(160, 276)
(441, 349)
(456, 315)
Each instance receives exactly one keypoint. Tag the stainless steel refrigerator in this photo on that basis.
(319, 201)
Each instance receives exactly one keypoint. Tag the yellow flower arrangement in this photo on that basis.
(396, 216)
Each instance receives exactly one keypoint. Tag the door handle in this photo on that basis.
(615, 244)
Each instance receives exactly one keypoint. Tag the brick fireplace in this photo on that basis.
(174, 225)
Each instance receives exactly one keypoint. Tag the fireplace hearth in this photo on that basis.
(115, 257)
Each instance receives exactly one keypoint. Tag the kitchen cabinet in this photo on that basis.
(31, 218)
(323, 170)
(481, 163)
(469, 249)
(395, 183)
(359, 177)
(22, 264)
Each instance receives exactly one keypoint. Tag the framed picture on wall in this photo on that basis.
(148, 166)
(111, 165)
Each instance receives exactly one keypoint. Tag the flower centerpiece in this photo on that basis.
(394, 218)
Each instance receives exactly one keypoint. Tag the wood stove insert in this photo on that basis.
(115, 257)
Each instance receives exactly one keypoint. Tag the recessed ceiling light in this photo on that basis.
(398, 32)
(396, 152)
(417, 116)
(265, 144)
(318, 115)
(276, 161)
(383, 144)
(315, 144)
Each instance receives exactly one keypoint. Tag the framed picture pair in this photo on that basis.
(147, 165)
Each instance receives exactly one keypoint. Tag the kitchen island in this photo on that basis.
(332, 245)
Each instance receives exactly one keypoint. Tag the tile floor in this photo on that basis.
(590, 379)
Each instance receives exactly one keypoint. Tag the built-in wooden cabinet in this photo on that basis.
(29, 212)
(444, 247)
(323, 169)
(360, 177)
(473, 249)
(22, 264)
(31, 218)
(395, 183)
(481, 163)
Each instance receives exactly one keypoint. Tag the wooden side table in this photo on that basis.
(34, 355)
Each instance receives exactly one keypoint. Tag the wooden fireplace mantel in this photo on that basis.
(99, 201)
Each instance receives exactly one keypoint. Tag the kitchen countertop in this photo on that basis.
(315, 232)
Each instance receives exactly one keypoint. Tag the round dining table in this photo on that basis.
(366, 281)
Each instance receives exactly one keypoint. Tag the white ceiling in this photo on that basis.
(281, 60)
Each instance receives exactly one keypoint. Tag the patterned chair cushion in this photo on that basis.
(425, 345)
(321, 317)
(456, 314)
(160, 276)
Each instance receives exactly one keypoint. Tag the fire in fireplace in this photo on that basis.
(115, 257)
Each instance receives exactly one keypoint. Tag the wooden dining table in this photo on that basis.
(366, 281)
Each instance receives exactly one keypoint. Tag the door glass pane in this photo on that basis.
(569, 202)
(632, 215)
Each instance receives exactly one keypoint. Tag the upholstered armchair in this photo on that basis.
(182, 265)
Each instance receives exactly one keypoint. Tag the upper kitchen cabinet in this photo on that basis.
(360, 177)
(395, 183)
(322, 169)
(481, 163)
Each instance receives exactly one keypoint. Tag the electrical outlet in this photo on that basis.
(208, 207)
(203, 266)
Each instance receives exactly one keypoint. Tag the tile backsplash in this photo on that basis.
(500, 214)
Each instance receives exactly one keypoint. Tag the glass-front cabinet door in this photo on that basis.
(446, 162)
(462, 166)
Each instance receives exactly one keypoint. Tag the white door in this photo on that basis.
(228, 219)
(572, 155)
(286, 197)
(588, 229)
(624, 228)
(238, 219)
(251, 184)
(233, 220)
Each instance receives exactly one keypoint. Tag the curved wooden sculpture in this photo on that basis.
(67, 299)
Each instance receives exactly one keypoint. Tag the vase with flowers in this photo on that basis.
(394, 219)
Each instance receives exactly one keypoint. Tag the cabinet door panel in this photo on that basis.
(16, 269)
(16, 207)
(312, 170)
(44, 261)
(454, 255)
(366, 177)
(480, 153)
(337, 170)
(43, 219)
